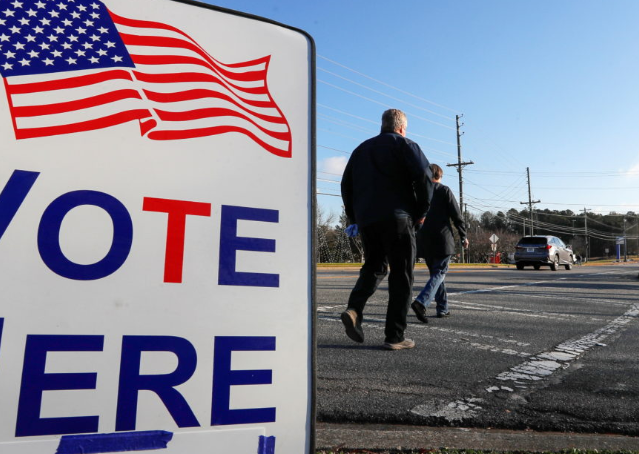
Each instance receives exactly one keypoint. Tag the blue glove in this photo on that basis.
(352, 230)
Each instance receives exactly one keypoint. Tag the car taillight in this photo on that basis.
(519, 247)
(548, 246)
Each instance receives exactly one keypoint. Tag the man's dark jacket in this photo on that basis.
(386, 176)
(435, 238)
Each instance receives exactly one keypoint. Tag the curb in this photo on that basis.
(332, 437)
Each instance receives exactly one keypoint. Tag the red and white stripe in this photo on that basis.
(176, 91)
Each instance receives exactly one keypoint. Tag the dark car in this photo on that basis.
(538, 251)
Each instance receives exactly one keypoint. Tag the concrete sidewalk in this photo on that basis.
(376, 436)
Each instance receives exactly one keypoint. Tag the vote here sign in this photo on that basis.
(156, 237)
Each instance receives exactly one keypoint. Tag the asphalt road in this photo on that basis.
(542, 350)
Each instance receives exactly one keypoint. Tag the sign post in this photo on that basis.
(156, 230)
(621, 240)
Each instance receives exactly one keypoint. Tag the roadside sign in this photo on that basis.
(156, 229)
(621, 240)
(493, 247)
(493, 238)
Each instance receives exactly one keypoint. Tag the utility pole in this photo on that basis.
(467, 228)
(586, 233)
(460, 165)
(530, 204)
(466, 215)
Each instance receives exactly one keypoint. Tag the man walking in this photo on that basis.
(386, 189)
(436, 244)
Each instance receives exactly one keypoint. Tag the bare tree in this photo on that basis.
(326, 237)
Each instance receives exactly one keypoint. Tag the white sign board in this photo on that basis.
(156, 234)
(493, 238)
(621, 240)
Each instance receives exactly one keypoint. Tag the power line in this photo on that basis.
(335, 149)
(597, 188)
(329, 173)
(388, 85)
(510, 191)
(562, 174)
(607, 236)
(501, 196)
(597, 204)
(412, 115)
(384, 94)
(411, 134)
(434, 150)
(350, 152)
(597, 234)
(571, 204)
(347, 124)
(339, 134)
(509, 157)
(346, 113)
(514, 187)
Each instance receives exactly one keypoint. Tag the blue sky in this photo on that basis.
(545, 84)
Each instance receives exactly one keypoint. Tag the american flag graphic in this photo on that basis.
(72, 65)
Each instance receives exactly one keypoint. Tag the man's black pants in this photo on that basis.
(387, 243)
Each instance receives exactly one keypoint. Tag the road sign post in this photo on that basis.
(618, 243)
(156, 229)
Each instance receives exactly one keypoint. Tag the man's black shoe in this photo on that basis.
(420, 311)
(353, 325)
(443, 314)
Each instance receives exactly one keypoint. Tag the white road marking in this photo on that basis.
(494, 289)
(521, 312)
(569, 294)
(378, 324)
(533, 371)
(544, 364)
(483, 336)
(528, 284)
(491, 348)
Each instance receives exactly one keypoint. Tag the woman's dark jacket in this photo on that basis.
(435, 238)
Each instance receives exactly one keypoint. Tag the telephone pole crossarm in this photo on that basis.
(460, 164)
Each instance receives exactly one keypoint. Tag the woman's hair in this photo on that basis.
(392, 120)
(437, 171)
